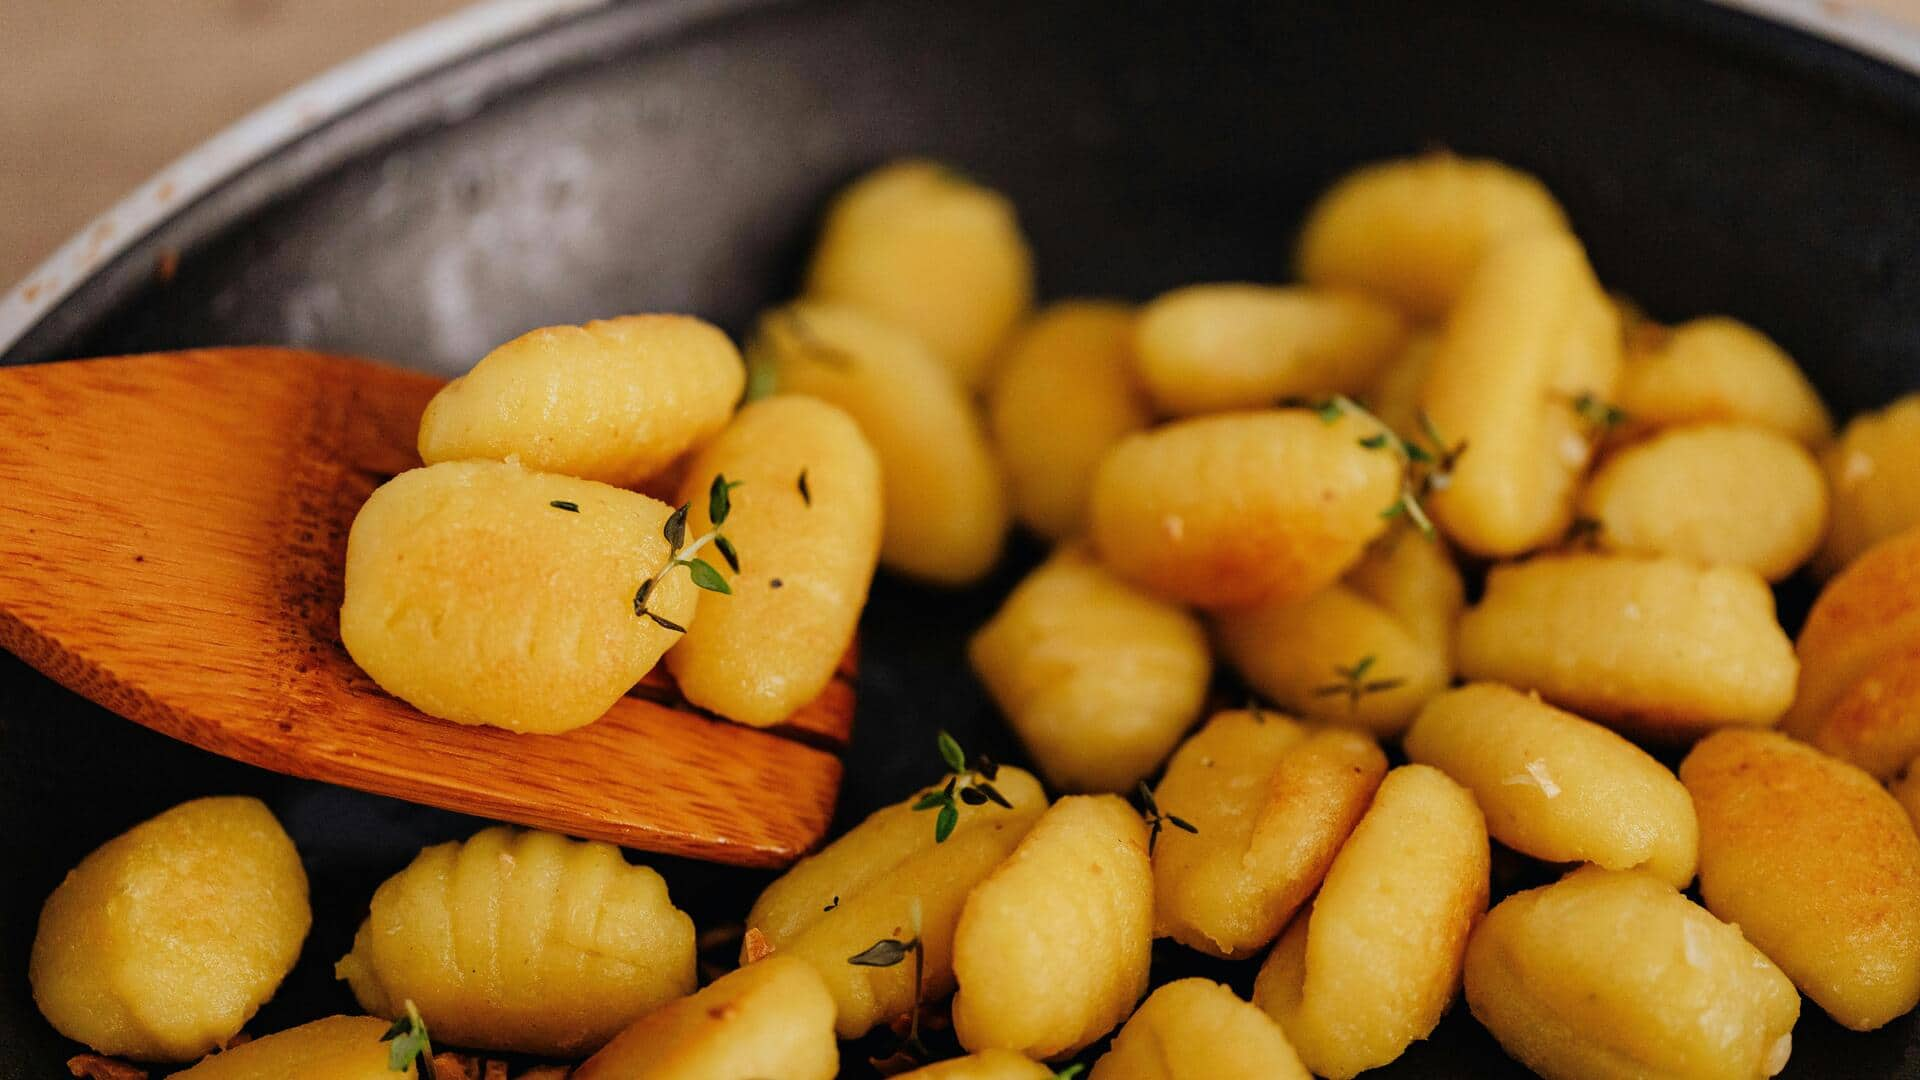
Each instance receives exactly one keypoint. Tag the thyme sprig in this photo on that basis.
(970, 785)
(1353, 683)
(702, 572)
(1425, 467)
(1157, 819)
(806, 492)
(1600, 415)
(889, 952)
(408, 1041)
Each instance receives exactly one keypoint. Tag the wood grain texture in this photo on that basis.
(172, 531)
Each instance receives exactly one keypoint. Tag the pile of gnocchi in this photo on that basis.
(1436, 561)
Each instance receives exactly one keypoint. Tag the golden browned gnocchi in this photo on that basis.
(1097, 678)
(1241, 508)
(1715, 493)
(806, 522)
(1663, 647)
(1064, 393)
(616, 400)
(1613, 974)
(485, 593)
(1413, 230)
(522, 941)
(1557, 787)
(1532, 339)
(889, 878)
(1051, 950)
(1718, 369)
(1367, 651)
(986, 1065)
(163, 942)
(1194, 1029)
(925, 249)
(1211, 348)
(946, 509)
(1271, 802)
(770, 1018)
(337, 1048)
(1859, 680)
(1874, 471)
(1369, 968)
(1816, 864)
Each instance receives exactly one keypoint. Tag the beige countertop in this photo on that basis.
(97, 95)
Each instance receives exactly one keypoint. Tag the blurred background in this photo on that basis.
(96, 95)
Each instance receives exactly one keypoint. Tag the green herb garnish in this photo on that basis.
(806, 493)
(1071, 1072)
(702, 572)
(1353, 683)
(409, 1042)
(1600, 416)
(972, 786)
(1425, 469)
(562, 504)
(1157, 820)
(889, 952)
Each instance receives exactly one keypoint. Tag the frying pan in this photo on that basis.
(531, 163)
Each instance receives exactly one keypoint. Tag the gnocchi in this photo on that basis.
(772, 1018)
(1413, 230)
(986, 1065)
(1727, 494)
(1213, 348)
(1194, 1029)
(1816, 864)
(473, 596)
(616, 400)
(1369, 968)
(1063, 395)
(1271, 802)
(946, 509)
(889, 878)
(1558, 787)
(1394, 393)
(1098, 679)
(1718, 370)
(163, 942)
(1531, 340)
(1609, 973)
(1242, 508)
(1051, 950)
(337, 1048)
(522, 941)
(807, 517)
(1661, 647)
(1874, 472)
(921, 247)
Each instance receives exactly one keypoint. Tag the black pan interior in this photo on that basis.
(675, 156)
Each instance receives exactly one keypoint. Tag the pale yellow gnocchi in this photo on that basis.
(1194, 1029)
(1557, 787)
(1530, 348)
(889, 878)
(923, 248)
(485, 593)
(1413, 230)
(1874, 472)
(1242, 508)
(1097, 678)
(337, 1048)
(1366, 651)
(1816, 864)
(1394, 393)
(805, 521)
(1658, 646)
(1613, 974)
(986, 1065)
(522, 941)
(946, 506)
(1052, 948)
(1271, 802)
(1065, 392)
(163, 942)
(616, 400)
(772, 1018)
(1718, 370)
(1731, 494)
(1370, 967)
(1214, 348)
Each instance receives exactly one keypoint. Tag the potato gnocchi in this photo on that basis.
(1199, 1030)
(337, 1048)
(1718, 370)
(770, 1018)
(1874, 471)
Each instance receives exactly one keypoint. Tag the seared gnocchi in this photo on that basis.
(616, 400)
(771, 1018)
(485, 593)
(1874, 471)
(337, 1048)
(163, 942)
(522, 941)
(1194, 1029)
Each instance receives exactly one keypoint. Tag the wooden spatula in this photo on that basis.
(172, 530)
